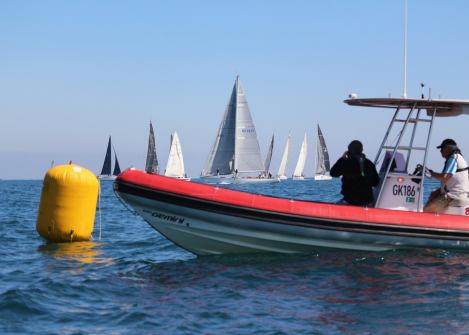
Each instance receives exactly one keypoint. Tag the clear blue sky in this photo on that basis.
(74, 72)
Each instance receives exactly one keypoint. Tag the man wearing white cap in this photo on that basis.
(454, 178)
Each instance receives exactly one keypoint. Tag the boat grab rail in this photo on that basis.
(414, 120)
(405, 148)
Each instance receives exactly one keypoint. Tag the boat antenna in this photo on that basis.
(405, 51)
(423, 84)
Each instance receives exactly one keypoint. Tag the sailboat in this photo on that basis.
(175, 165)
(106, 171)
(268, 159)
(282, 171)
(300, 165)
(235, 148)
(151, 164)
(322, 166)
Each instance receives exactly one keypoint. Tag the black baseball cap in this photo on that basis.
(445, 143)
(356, 146)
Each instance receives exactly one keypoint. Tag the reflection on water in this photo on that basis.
(329, 291)
(75, 254)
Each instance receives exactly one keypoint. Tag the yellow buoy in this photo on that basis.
(68, 204)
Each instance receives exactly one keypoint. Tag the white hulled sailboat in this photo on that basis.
(282, 171)
(300, 165)
(235, 149)
(322, 164)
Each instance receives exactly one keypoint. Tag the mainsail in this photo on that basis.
(117, 169)
(322, 155)
(107, 160)
(151, 165)
(175, 166)
(268, 158)
(221, 156)
(283, 164)
(235, 145)
(301, 159)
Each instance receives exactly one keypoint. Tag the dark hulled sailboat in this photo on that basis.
(106, 170)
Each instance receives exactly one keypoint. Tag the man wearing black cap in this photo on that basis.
(359, 176)
(454, 178)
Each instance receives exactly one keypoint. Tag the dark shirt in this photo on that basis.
(356, 189)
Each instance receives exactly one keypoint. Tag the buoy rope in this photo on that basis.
(122, 202)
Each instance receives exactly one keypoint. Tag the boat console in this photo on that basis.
(400, 189)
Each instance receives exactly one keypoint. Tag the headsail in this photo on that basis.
(107, 160)
(268, 157)
(221, 154)
(301, 159)
(175, 166)
(248, 153)
(151, 165)
(283, 164)
(117, 169)
(322, 155)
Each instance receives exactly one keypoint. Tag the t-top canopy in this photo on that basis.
(444, 107)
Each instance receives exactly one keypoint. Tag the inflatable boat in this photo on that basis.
(208, 220)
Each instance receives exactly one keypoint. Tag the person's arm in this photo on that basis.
(444, 177)
(450, 169)
(338, 169)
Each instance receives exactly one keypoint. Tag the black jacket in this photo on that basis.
(356, 189)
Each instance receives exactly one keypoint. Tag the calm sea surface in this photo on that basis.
(134, 281)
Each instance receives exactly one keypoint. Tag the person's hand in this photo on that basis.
(344, 156)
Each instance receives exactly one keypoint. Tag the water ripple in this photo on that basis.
(135, 281)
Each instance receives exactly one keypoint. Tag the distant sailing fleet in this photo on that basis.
(235, 152)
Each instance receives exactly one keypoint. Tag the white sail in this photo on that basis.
(301, 159)
(175, 166)
(235, 145)
(221, 156)
(248, 156)
(283, 164)
(322, 164)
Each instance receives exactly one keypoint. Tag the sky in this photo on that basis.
(73, 73)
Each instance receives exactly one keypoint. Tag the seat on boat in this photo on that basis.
(398, 163)
(460, 202)
(459, 206)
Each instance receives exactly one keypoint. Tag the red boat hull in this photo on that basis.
(250, 223)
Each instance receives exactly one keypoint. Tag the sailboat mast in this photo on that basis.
(317, 151)
(405, 52)
(236, 124)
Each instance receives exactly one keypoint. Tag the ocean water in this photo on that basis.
(134, 281)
